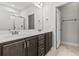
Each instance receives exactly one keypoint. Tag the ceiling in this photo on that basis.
(18, 5)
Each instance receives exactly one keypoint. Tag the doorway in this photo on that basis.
(67, 24)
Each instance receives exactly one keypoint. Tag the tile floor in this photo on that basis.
(64, 50)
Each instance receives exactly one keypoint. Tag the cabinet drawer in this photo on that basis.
(40, 49)
(41, 36)
(41, 42)
(0, 50)
(42, 53)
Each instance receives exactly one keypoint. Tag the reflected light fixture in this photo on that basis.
(38, 4)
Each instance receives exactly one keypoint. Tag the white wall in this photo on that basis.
(70, 29)
(47, 17)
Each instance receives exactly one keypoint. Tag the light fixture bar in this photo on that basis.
(38, 4)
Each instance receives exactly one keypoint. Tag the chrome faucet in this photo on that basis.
(13, 32)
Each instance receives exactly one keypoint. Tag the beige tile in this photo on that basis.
(64, 50)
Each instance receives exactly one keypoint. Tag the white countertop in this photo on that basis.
(7, 36)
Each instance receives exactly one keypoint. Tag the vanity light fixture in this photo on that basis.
(38, 4)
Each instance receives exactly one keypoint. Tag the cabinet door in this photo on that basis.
(48, 41)
(32, 46)
(14, 49)
(0, 50)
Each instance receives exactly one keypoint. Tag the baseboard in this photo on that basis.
(70, 43)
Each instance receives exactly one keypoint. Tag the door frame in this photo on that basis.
(57, 28)
(57, 7)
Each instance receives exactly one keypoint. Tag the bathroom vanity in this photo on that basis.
(25, 32)
(35, 45)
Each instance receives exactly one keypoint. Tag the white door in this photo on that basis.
(58, 27)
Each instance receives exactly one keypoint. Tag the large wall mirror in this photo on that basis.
(20, 16)
(18, 22)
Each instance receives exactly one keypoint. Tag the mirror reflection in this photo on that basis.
(20, 16)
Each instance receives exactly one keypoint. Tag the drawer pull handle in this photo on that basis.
(27, 43)
(24, 44)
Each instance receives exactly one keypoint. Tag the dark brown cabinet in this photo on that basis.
(27, 47)
(14, 49)
(41, 45)
(0, 50)
(48, 41)
(32, 46)
(38, 45)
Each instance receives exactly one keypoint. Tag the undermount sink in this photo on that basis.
(21, 34)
